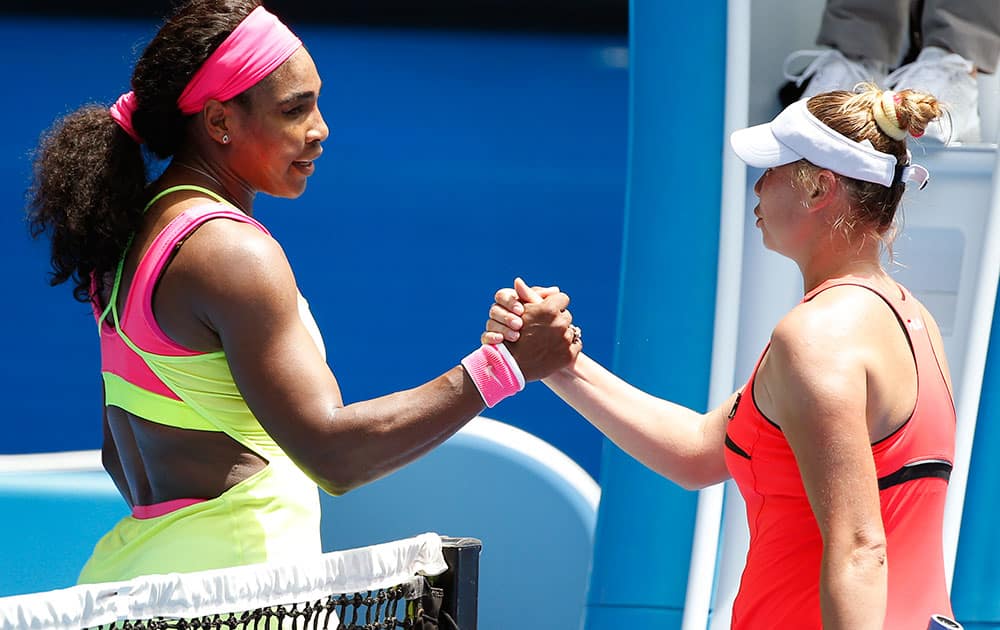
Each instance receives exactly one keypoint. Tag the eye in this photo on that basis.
(295, 111)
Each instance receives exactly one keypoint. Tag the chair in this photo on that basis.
(532, 507)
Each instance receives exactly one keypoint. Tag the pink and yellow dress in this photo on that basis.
(273, 514)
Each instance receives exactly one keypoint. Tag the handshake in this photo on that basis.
(529, 335)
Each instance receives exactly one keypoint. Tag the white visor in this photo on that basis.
(796, 134)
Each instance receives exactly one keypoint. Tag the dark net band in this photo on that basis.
(412, 606)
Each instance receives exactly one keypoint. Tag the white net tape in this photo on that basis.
(229, 590)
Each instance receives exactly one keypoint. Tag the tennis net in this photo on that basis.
(427, 582)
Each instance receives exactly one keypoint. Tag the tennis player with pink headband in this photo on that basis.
(842, 439)
(221, 415)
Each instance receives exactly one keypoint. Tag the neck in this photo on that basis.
(837, 262)
(218, 180)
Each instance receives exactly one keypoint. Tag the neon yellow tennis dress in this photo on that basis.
(272, 515)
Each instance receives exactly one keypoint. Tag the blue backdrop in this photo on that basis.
(456, 161)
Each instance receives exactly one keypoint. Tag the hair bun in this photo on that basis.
(884, 111)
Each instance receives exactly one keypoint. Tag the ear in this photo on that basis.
(217, 119)
(823, 191)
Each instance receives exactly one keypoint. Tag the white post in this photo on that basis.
(969, 389)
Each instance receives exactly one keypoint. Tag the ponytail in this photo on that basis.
(86, 196)
(90, 177)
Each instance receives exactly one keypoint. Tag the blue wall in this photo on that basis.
(670, 259)
(455, 162)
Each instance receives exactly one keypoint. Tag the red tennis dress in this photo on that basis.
(780, 584)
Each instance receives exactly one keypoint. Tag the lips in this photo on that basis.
(305, 167)
(308, 161)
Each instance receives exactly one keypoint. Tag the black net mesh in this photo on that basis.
(413, 606)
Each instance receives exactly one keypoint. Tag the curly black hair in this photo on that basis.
(90, 178)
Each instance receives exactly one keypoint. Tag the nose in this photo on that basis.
(318, 131)
(757, 184)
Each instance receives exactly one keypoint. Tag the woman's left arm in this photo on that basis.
(816, 369)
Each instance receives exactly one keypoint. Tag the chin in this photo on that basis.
(290, 192)
(297, 187)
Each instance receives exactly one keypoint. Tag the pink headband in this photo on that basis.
(255, 48)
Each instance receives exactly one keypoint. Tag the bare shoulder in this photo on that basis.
(828, 343)
(226, 265)
(837, 320)
(234, 251)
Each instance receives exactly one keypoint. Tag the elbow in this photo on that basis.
(691, 483)
(695, 471)
(334, 489)
(687, 477)
(345, 470)
(694, 462)
(696, 478)
(864, 550)
(339, 480)
(340, 460)
(870, 550)
(870, 540)
(328, 469)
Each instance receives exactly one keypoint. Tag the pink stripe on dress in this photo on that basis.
(137, 320)
(159, 509)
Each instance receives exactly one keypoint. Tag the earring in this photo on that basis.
(225, 138)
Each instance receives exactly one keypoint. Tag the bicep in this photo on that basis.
(822, 412)
(251, 302)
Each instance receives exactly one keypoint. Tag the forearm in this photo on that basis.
(677, 442)
(369, 439)
(853, 588)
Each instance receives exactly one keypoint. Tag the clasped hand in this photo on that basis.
(537, 327)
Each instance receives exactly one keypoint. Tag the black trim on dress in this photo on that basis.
(919, 470)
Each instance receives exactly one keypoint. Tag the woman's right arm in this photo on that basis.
(241, 287)
(681, 444)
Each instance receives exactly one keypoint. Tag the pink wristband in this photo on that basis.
(494, 372)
